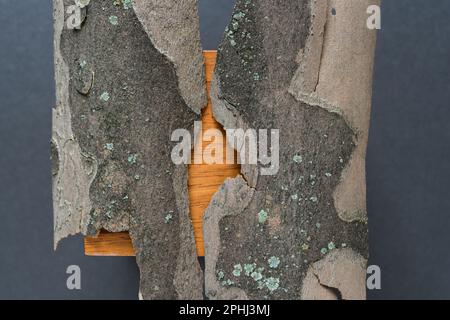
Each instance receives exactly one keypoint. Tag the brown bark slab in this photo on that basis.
(305, 68)
(125, 80)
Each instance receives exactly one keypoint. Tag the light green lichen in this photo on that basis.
(297, 158)
(313, 199)
(220, 275)
(331, 246)
(262, 216)
(324, 251)
(239, 15)
(256, 275)
(132, 158)
(168, 218)
(113, 20)
(272, 284)
(109, 146)
(228, 283)
(274, 262)
(105, 96)
(294, 197)
(127, 4)
(237, 270)
(248, 268)
(327, 174)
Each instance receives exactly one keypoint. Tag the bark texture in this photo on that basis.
(130, 76)
(305, 68)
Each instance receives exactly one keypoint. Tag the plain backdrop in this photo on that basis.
(408, 167)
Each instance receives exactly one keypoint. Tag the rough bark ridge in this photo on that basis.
(305, 68)
(130, 76)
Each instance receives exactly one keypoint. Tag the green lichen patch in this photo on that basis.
(126, 4)
(256, 275)
(274, 262)
(220, 275)
(105, 96)
(262, 216)
(237, 270)
(331, 246)
(132, 158)
(168, 218)
(114, 20)
(297, 158)
(248, 268)
(272, 283)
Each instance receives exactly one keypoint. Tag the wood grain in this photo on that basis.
(204, 181)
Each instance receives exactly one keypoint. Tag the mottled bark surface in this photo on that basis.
(134, 73)
(305, 68)
(121, 91)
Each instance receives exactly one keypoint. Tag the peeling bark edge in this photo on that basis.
(71, 208)
(229, 118)
(75, 172)
(339, 275)
(187, 259)
(231, 199)
(178, 41)
(335, 73)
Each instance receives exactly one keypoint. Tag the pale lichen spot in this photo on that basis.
(220, 274)
(105, 96)
(248, 268)
(256, 275)
(109, 146)
(237, 270)
(168, 218)
(132, 158)
(113, 20)
(274, 262)
(331, 246)
(297, 158)
(262, 216)
(272, 283)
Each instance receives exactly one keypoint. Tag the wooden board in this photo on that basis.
(204, 181)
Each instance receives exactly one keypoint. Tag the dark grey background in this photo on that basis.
(408, 160)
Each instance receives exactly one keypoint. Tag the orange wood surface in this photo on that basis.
(204, 181)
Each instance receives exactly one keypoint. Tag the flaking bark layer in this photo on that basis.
(271, 49)
(119, 97)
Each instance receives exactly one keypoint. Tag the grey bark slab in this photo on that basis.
(305, 68)
(130, 76)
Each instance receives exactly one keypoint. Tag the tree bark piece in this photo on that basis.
(124, 82)
(305, 68)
